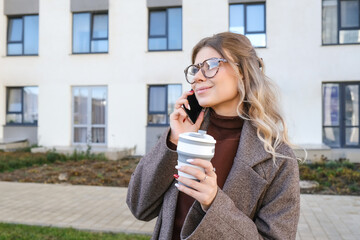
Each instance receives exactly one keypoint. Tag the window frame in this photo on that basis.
(245, 4)
(22, 35)
(339, 28)
(158, 9)
(92, 14)
(89, 125)
(166, 105)
(22, 108)
(341, 125)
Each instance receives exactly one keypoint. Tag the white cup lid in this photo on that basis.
(199, 136)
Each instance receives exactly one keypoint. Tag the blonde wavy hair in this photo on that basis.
(258, 95)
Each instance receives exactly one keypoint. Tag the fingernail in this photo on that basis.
(177, 167)
(191, 91)
(176, 176)
(177, 185)
(190, 160)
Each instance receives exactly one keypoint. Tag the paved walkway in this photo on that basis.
(104, 209)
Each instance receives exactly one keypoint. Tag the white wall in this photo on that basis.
(294, 59)
(2, 77)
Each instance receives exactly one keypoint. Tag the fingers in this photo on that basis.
(200, 119)
(207, 165)
(194, 171)
(204, 190)
(178, 114)
(183, 100)
(191, 191)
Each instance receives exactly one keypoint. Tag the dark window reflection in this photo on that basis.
(165, 29)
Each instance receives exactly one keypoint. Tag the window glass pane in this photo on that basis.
(349, 36)
(157, 43)
(157, 119)
(14, 49)
(31, 104)
(31, 34)
(331, 104)
(100, 28)
(157, 99)
(329, 21)
(331, 136)
(98, 135)
(175, 28)
(81, 34)
(157, 23)
(352, 136)
(237, 18)
(255, 18)
(98, 103)
(351, 105)
(13, 118)
(349, 13)
(15, 29)
(14, 100)
(99, 46)
(80, 135)
(257, 40)
(80, 105)
(174, 92)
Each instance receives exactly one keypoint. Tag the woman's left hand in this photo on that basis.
(204, 191)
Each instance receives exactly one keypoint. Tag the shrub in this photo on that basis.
(340, 177)
(10, 161)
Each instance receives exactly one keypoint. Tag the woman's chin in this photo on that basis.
(204, 104)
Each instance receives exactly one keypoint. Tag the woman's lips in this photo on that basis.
(202, 90)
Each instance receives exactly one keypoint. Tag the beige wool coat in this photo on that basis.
(260, 199)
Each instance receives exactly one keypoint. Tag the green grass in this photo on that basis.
(25, 232)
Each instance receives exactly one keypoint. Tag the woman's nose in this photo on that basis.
(199, 77)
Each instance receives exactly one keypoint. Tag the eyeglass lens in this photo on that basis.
(209, 69)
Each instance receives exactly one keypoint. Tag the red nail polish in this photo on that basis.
(176, 176)
(191, 91)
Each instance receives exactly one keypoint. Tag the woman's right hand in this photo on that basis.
(179, 121)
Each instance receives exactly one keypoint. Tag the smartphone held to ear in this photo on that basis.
(195, 109)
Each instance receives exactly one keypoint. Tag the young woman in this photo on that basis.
(254, 191)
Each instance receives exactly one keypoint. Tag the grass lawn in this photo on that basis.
(25, 232)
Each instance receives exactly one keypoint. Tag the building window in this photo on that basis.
(161, 102)
(22, 106)
(165, 29)
(23, 35)
(340, 22)
(89, 115)
(249, 19)
(341, 114)
(90, 33)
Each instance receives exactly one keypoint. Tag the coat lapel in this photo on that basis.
(244, 185)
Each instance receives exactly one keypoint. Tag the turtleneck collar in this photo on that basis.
(233, 122)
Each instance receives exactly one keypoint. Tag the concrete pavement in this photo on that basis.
(104, 209)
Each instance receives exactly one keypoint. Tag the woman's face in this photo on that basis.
(220, 92)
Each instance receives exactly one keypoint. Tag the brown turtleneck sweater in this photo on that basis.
(226, 131)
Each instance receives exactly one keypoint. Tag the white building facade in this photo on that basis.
(107, 72)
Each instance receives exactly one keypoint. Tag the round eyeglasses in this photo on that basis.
(209, 69)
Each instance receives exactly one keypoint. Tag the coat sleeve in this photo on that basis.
(277, 216)
(150, 180)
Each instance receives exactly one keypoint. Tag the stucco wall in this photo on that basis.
(294, 59)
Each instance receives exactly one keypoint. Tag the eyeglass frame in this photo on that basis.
(200, 65)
